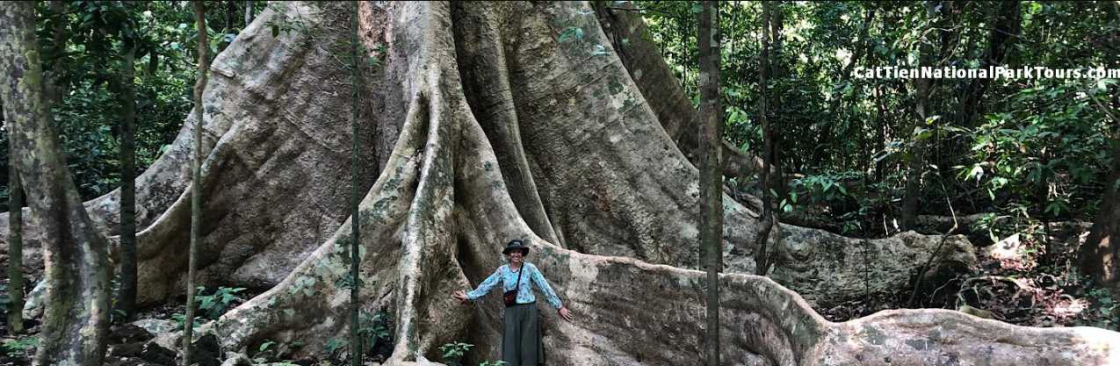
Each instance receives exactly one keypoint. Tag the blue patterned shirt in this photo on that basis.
(524, 291)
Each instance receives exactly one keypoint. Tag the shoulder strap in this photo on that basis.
(519, 272)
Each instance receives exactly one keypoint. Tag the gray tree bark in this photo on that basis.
(15, 240)
(77, 270)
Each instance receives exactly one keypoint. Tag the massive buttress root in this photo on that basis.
(441, 208)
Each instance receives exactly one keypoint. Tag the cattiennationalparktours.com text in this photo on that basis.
(990, 72)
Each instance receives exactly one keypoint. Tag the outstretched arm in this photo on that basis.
(542, 284)
(486, 285)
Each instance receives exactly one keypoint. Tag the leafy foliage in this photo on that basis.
(19, 345)
(82, 43)
(1024, 149)
(453, 352)
(216, 303)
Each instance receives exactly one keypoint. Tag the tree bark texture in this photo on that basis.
(15, 241)
(77, 268)
(711, 181)
(127, 299)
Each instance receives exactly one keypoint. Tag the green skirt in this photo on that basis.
(521, 336)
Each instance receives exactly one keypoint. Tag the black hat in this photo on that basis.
(516, 244)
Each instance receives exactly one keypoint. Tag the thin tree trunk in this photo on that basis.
(923, 87)
(76, 320)
(711, 179)
(248, 12)
(55, 90)
(1006, 21)
(767, 144)
(355, 190)
(778, 181)
(15, 240)
(231, 12)
(824, 150)
(196, 168)
(127, 301)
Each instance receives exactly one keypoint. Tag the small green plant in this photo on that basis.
(180, 319)
(453, 352)
(216, 304)
(374, 328)
(265, 346)
(494, 363)
(19, 345)
(335, 344)
(266, 352)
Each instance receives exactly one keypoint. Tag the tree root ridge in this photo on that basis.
(444, 231)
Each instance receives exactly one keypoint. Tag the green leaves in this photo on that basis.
(453, 352)
(265, 346)
(216, 304)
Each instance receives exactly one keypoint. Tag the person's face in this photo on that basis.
(515, 256)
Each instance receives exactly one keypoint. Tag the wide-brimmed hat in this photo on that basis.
(516, 244)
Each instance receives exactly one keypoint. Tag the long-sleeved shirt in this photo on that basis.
(524, 291)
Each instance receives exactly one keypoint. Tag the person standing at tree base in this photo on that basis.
(521, 331)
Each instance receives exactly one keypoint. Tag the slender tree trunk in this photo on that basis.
(826, 148)
(1098, 255)
(55, 89)
(923, 87)
(248, 12)
(127, 301)
(196, 168)
(711, 179)
(15, 240)
(778, 180)
(355, 190)
(76, 320)
(767, 142)
(231, 13)
(1006, 21)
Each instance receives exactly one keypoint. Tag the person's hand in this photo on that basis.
(462, 296)
(565, 313)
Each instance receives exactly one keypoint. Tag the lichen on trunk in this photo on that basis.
(77, 293)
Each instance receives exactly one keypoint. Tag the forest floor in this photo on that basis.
(1028, 279)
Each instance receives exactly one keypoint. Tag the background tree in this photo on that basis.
(356, 61)
(127, 97)
(767, 218)
(711, 179)
(15, 243)
(77, 294)
(196, 177)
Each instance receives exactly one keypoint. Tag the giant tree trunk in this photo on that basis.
(77, 304)
(464, 90)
